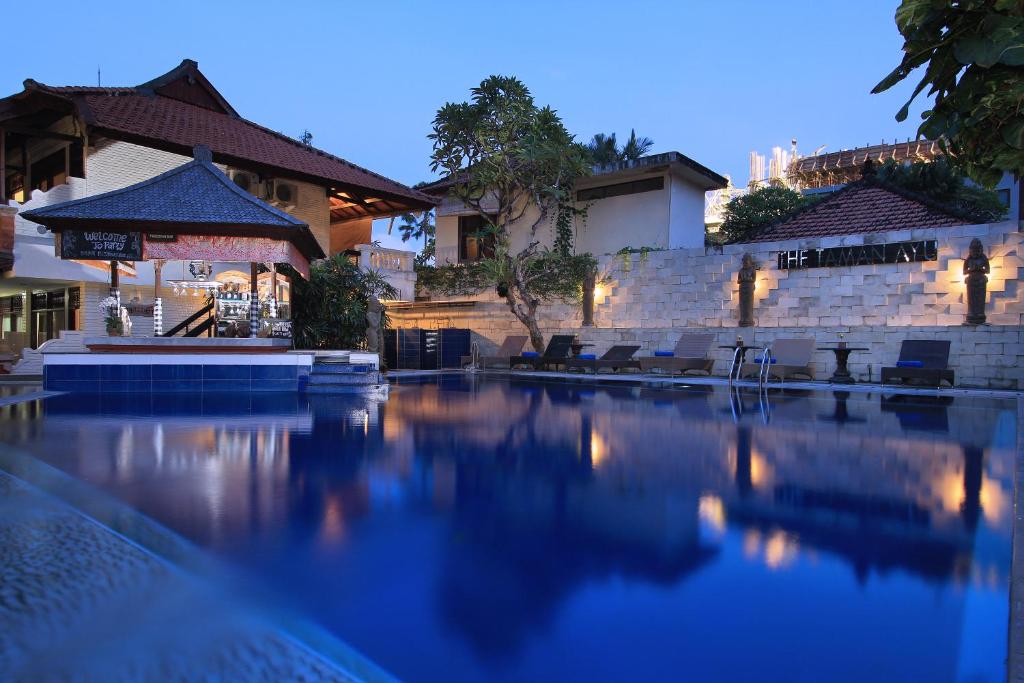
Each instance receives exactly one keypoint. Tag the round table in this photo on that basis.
(842, 374)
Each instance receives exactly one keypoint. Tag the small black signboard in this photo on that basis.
(101, 245)
(160, 237)
(865, 255)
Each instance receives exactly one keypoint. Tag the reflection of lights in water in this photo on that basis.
(712, 511)
(778, 550)
(760, 470)
(598, 449)
(994, 501)
(124, 447)
(332, 526)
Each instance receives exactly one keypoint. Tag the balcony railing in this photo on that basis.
(395, 265)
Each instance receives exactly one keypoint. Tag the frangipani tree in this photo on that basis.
(516, 166)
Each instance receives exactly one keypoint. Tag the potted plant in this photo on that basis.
(111, 310)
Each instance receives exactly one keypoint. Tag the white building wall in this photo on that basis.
(632, 220)
(686, 215)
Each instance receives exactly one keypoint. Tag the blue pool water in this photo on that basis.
(474, 529)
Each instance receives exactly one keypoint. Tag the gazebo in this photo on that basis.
(192, 212)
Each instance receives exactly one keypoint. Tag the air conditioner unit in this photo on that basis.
(248, 181)
(286, 195)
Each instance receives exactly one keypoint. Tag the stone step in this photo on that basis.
(341, 379)
(340, 368)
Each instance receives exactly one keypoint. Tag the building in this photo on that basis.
(59, 143)
(655, 201)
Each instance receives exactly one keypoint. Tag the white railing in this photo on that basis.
(395, 265)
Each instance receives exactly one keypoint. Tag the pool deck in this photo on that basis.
(654, 381)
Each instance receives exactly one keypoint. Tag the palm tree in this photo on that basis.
(604, 149)
(636, 147)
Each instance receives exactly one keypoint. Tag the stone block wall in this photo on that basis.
(651, 299)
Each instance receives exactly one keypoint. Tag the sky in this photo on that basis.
(713, 80)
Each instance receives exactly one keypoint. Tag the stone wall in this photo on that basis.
(651, 299)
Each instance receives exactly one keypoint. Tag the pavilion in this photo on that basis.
(192, 212)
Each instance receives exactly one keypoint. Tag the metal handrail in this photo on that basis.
(734, 370)
(766, 366)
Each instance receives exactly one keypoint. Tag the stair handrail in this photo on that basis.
(734, 368)
(187, 322)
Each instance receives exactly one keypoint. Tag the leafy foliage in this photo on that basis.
(415, 226)
(972, 51)
(512, 159)
(604, 149)
(329, 309)
(765, 205)
(942, 182)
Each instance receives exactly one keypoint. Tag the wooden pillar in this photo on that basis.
(3, 166)
(254, 300)
(26, 173)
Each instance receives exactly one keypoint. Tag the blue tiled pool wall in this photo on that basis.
(173, 378)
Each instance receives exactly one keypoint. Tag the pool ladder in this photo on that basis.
(763, 371)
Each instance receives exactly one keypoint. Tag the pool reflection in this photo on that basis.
(509, 531)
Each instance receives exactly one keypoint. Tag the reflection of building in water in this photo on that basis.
(802, 475)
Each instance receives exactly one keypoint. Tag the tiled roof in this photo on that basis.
(195, 195)
(142, 115)
(864, 206)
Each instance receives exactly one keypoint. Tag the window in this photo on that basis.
(473, 245)
(634, 187)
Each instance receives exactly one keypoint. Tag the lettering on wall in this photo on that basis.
(864, 255)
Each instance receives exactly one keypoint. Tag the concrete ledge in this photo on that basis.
(193, 345)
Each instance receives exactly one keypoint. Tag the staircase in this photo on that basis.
(333, 377)
(31, 361)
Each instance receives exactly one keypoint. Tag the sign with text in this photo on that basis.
(160, 237)
(101, 245)
(864, 255)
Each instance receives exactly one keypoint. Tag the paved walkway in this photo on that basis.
(80, 602)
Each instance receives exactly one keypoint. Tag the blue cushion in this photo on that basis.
(760, 360)
(588, 356)
(664, 354)
(909, 364)
(530, 354)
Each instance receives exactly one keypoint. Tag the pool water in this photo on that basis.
(472, 529)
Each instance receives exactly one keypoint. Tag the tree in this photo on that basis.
(329, 309)
(414, 227)
(604, 149)
(941, 181)
(516, 166)
(765, 205)
(972, 51)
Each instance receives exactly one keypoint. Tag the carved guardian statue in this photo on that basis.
(374, 334)
(976, 270)
(746, 279)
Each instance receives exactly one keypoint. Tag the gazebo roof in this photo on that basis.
(193, 199)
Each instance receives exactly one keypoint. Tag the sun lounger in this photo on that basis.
(925, 361)
(512, 346)
(789, 358)
(615, 359)
(556, 353)
(691, 353)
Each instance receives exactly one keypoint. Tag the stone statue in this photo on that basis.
(374, 334)
(746, 279)
(976, 270)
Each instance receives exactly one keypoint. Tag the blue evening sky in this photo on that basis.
(713, 80)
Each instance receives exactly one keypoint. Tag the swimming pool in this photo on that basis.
(473, 528)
